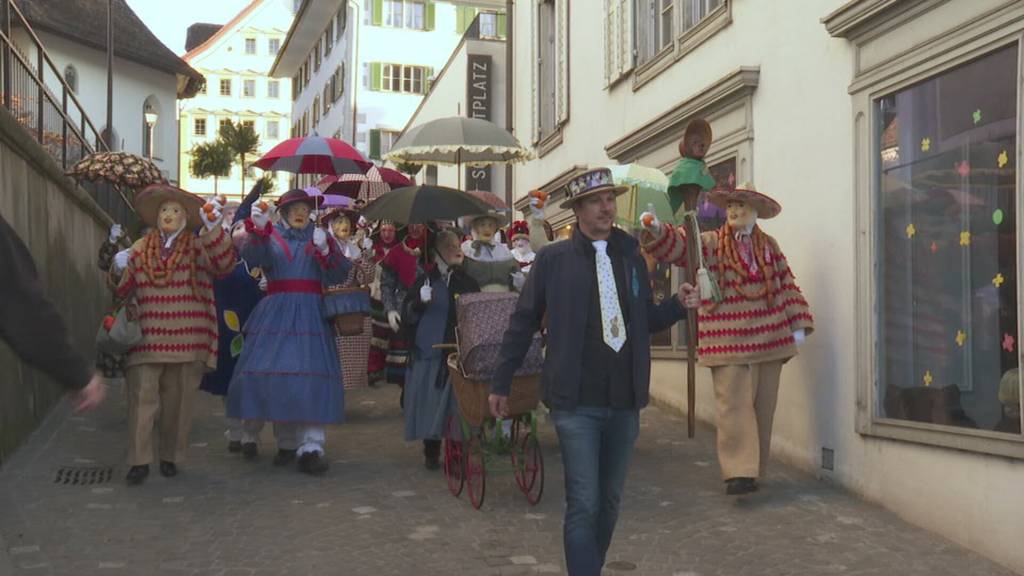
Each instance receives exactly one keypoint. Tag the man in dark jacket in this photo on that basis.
(34, 329)
(596, 292)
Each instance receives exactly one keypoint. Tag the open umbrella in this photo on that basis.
(369, 186)
(458, 140)
(326, 200)
(314, 155)
(118, 168)
(647, 187)
(491, 198)
(422, 204)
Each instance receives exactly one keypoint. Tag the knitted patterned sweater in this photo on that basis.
(178, 318)
(744, 328)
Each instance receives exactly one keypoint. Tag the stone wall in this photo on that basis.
(63, 227)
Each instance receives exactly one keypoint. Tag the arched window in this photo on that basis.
(71, 77)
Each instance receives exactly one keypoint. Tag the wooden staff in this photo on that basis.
(690, 195)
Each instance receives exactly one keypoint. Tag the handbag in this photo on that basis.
(119, 336)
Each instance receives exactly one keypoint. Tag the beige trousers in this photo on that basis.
(170, 388)
(745, 396)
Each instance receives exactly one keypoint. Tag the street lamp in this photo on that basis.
(151, 117)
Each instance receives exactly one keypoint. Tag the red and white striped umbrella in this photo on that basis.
(314, 155)
(367, 186)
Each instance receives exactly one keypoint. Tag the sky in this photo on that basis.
(170, 20)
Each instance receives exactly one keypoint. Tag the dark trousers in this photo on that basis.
(596, 445)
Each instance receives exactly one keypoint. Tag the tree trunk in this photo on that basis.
(243, 174)
(214, 184)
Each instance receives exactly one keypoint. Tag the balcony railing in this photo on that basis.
(39, 98)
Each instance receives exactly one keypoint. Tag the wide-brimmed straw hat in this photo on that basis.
(148, 202)
(746, 192)
(590, 183)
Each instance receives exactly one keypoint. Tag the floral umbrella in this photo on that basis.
(118, 168)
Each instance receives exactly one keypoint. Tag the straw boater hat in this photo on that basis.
(765, 206)
(148, 201)
(519, 229)
(590, 183)
(498, 217)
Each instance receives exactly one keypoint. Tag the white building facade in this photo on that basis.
(391, 50)
(889, 133)
(148, 77)
(236, 61)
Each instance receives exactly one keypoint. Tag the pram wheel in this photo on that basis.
(454, 466)
(528, 466)
(475, 470)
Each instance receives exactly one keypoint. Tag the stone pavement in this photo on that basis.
(379, 512)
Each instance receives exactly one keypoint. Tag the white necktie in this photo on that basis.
(613, 326)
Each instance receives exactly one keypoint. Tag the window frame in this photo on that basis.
(277, 130)
(938, 48)
(225, 82)
(246, 43)
(273, 46)
(196, 121)
(246, 82)
(684, 40)
(274, 89)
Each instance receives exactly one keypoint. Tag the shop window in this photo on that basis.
(948, 247)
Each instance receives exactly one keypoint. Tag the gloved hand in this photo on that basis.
(650, 220)
(212, 213)
(260, 216)
(320, 240)
(800, 336)
(367, 243)
(536, 208)
(116, 232)
(426, 293)
(518, 279)
(121, 260)
(394, 320)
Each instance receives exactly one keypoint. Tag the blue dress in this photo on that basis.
(235, 296)
(289, 369)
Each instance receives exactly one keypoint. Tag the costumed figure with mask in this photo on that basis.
(169, 274)
(385, 238)
(748, 331)
(429, 315)
(397, 274)
(522, 251)
(235, 295)
(349, 303)
(288, 372)
(489, 261)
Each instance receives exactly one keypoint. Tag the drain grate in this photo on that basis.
(83, 476)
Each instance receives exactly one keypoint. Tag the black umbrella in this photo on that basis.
(422, 204)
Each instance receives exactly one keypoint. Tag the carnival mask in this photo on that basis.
(417, 230)
(485, 228)
(740, 215)
(695, 146)
(171, 217)
(238, 235)
(342, 228)
(387, 233)
(449, 249)
(521, 244)
(297, 215)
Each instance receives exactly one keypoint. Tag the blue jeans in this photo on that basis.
(596, 446)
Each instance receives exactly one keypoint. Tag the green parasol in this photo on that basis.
(647, 186)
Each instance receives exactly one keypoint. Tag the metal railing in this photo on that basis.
(40, 100)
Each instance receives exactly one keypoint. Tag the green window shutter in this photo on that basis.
(502, 20)
(375, 144)
(463, 18)
(378, 12)
(375, 75)
(430, 16)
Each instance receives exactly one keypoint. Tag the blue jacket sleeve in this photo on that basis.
(525, 321)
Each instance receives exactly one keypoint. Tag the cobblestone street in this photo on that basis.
(379, 512)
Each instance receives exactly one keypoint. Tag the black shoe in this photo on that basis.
(235, 446)
(312, 463)
(168, 469)
(250, 451)
(740, 486)
(284, 457)
(137, 475)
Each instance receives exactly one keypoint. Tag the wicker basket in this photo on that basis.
(472, 394)
(348, 323)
